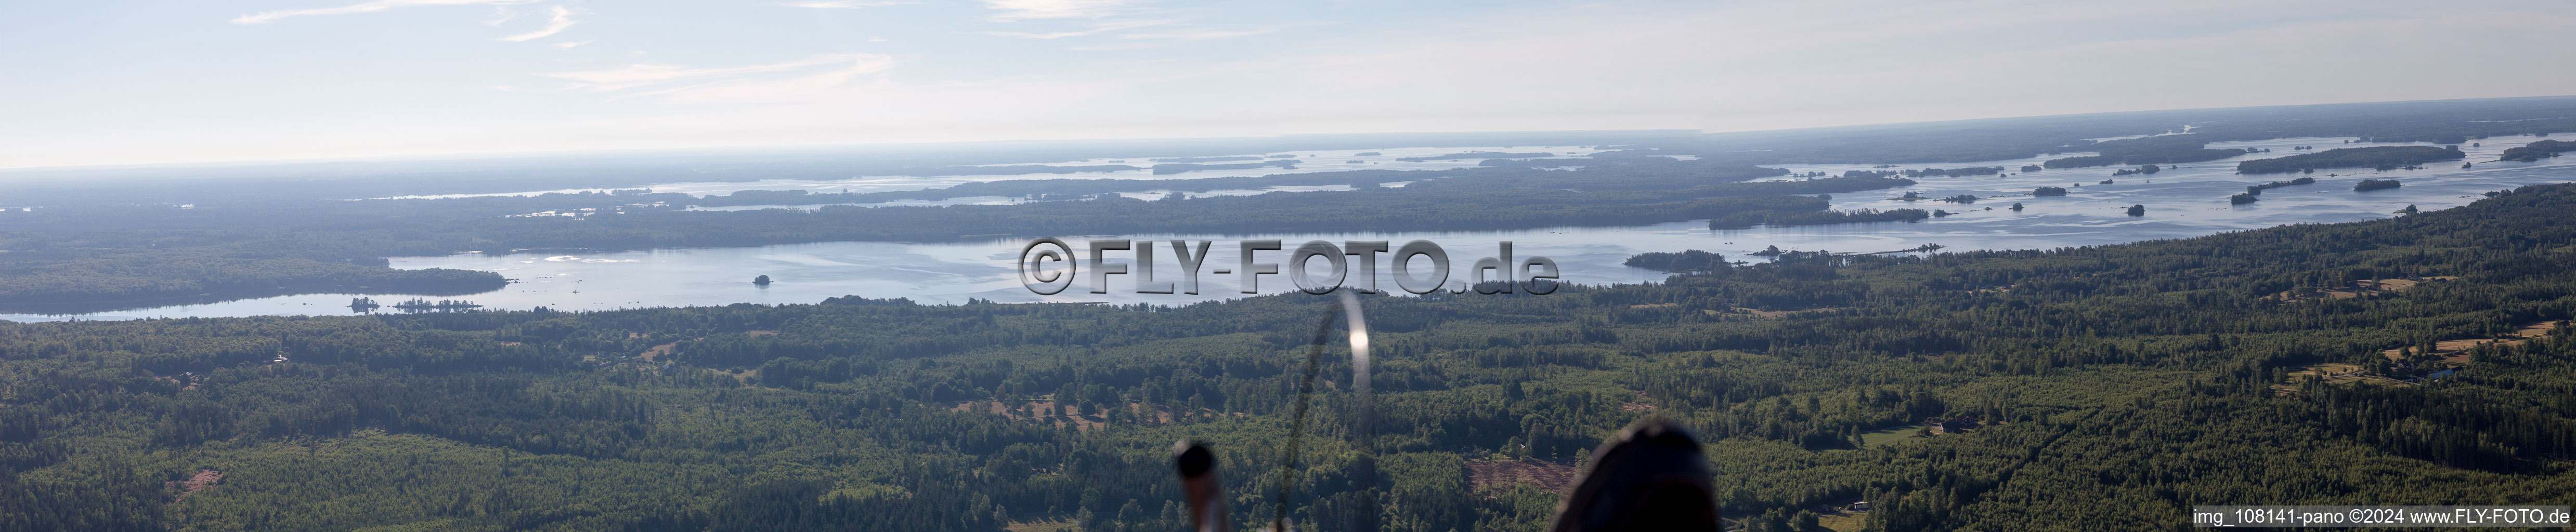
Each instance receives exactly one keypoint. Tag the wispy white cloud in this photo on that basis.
(816, 69)
(265, 17)
(1042, 9)
(1096, 29)
(501, 15)
(1197, 35)
(572, 44)
(844, 4)
(562, 19)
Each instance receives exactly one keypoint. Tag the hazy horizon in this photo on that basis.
(1428, 138)
(288, 80)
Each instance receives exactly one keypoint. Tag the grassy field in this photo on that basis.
(1887, 436)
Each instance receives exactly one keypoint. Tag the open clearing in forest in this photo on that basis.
(1886, 436)
(1041, 526)
(1499, 474)
(2454, 353)
(2458, 350)
(2358, 289)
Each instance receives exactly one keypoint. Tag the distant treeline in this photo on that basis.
(1032, 188)
(1746, 220)
(1933, 172)
(1478, 155)
(1174, 168)
(2162, 149)
(2381, 157)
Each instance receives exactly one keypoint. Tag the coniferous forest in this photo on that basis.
(2124, 384)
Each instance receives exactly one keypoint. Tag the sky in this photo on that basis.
(147, 81)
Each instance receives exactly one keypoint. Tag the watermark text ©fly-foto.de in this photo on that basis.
(1048, 266)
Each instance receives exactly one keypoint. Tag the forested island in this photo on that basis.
(1682, 261)
(2375, 184)
(1954, 172)
(2258, 189)
(2381, 157)
(2537, 150)
(1813, 377)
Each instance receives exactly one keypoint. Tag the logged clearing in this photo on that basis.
(1765, 314)
(2454, 353)
(203, 479)
(1503, 473)
(1048, 411)
(659, 350)
(2458, 350)
(1844, 521)
(2358, 289)
(1041, 526)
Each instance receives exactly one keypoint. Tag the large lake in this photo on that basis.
(2182, 202)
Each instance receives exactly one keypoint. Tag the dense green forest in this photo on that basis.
(2381, 157)
(2120, 383)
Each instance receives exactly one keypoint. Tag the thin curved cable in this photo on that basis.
(1361, 430)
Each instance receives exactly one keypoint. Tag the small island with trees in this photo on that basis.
(2375, 184)
(2048, 191)
(1685, 261)
(761, 280)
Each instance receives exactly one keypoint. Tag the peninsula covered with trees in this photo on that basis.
(2382, 157)
(2537, 150)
